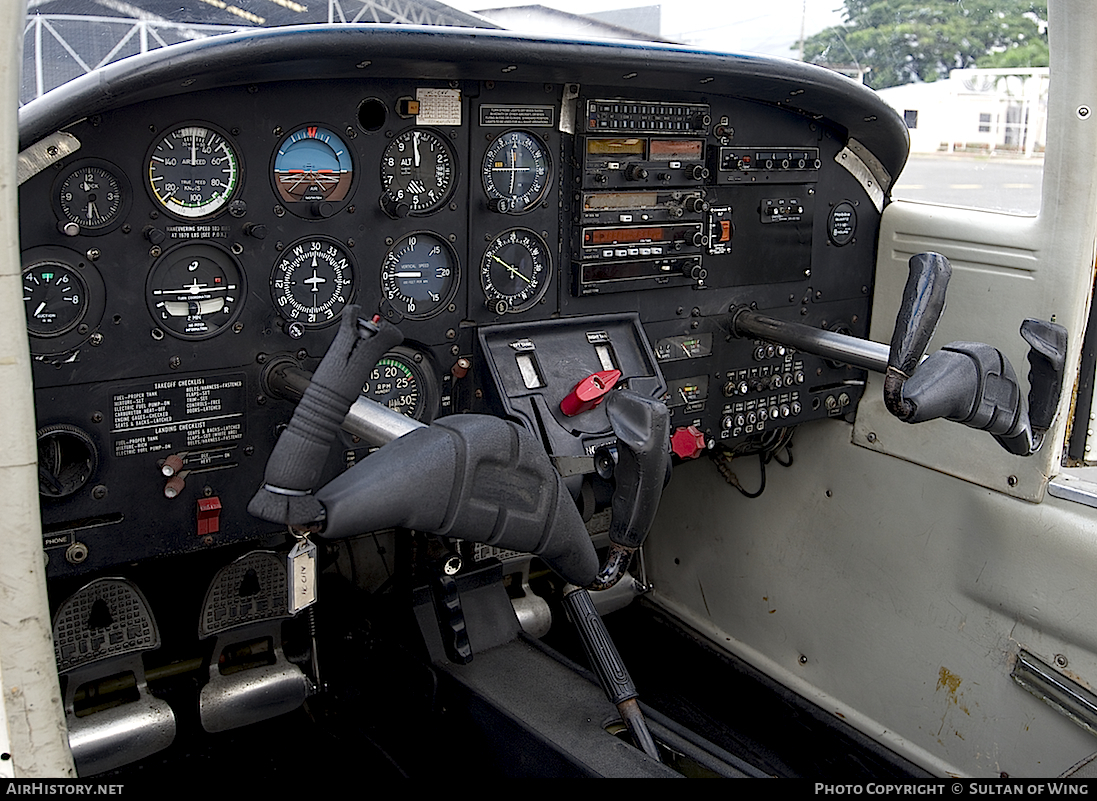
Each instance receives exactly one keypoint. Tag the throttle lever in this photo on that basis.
(919, 312)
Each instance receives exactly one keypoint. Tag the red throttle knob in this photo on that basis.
(687, 443)
(589, 392)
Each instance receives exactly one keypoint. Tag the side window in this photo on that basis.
(977, 139)
(970, 81)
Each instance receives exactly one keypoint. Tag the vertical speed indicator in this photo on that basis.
(420, 275)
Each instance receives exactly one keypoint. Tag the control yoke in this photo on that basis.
(487, 480)
(966, 382)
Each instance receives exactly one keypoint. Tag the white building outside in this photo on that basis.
(991, 111)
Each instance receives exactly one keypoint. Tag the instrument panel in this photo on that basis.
(196, 238)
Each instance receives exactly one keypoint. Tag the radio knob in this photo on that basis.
(635, 172)
(698, 172)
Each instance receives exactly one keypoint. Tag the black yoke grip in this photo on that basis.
(469, 476)
(297, 461)
(642, 426)
(920, 310)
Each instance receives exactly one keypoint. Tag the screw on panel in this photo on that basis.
(1012, 481)
(1060, 661)
(803, 659)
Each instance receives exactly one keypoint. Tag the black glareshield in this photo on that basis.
(297, 461)
(472, 477)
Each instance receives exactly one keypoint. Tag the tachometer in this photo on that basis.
(312, 281)
(312, 165)
(418, 173)
(515, 271)
(194, 291)
(420, 275)
(193, 171)
(400, 382)
(516, 172)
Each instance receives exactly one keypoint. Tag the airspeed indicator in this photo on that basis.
(193, 171)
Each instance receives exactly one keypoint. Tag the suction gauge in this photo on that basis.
(194, 171)
(55, 297)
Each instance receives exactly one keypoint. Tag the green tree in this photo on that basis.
(902, 41)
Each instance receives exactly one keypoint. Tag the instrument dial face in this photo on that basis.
(93, 195)
(195, 291)
(418, 168)
(515, 271)
(312, 164)
(193, 171)
(55, 297)
(516, 171)
(420, 275)
(312, 281)
(399, 383)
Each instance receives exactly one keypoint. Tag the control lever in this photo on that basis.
(608, 666)
(969, 382)
(494, 483)
(919, 311)
(966, 382)
(489, 481)
(642, 427)
(297, 461)
(974, 384)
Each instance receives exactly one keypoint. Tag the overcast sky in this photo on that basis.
(754, 26)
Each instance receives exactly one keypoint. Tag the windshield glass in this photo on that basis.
(969, 79)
